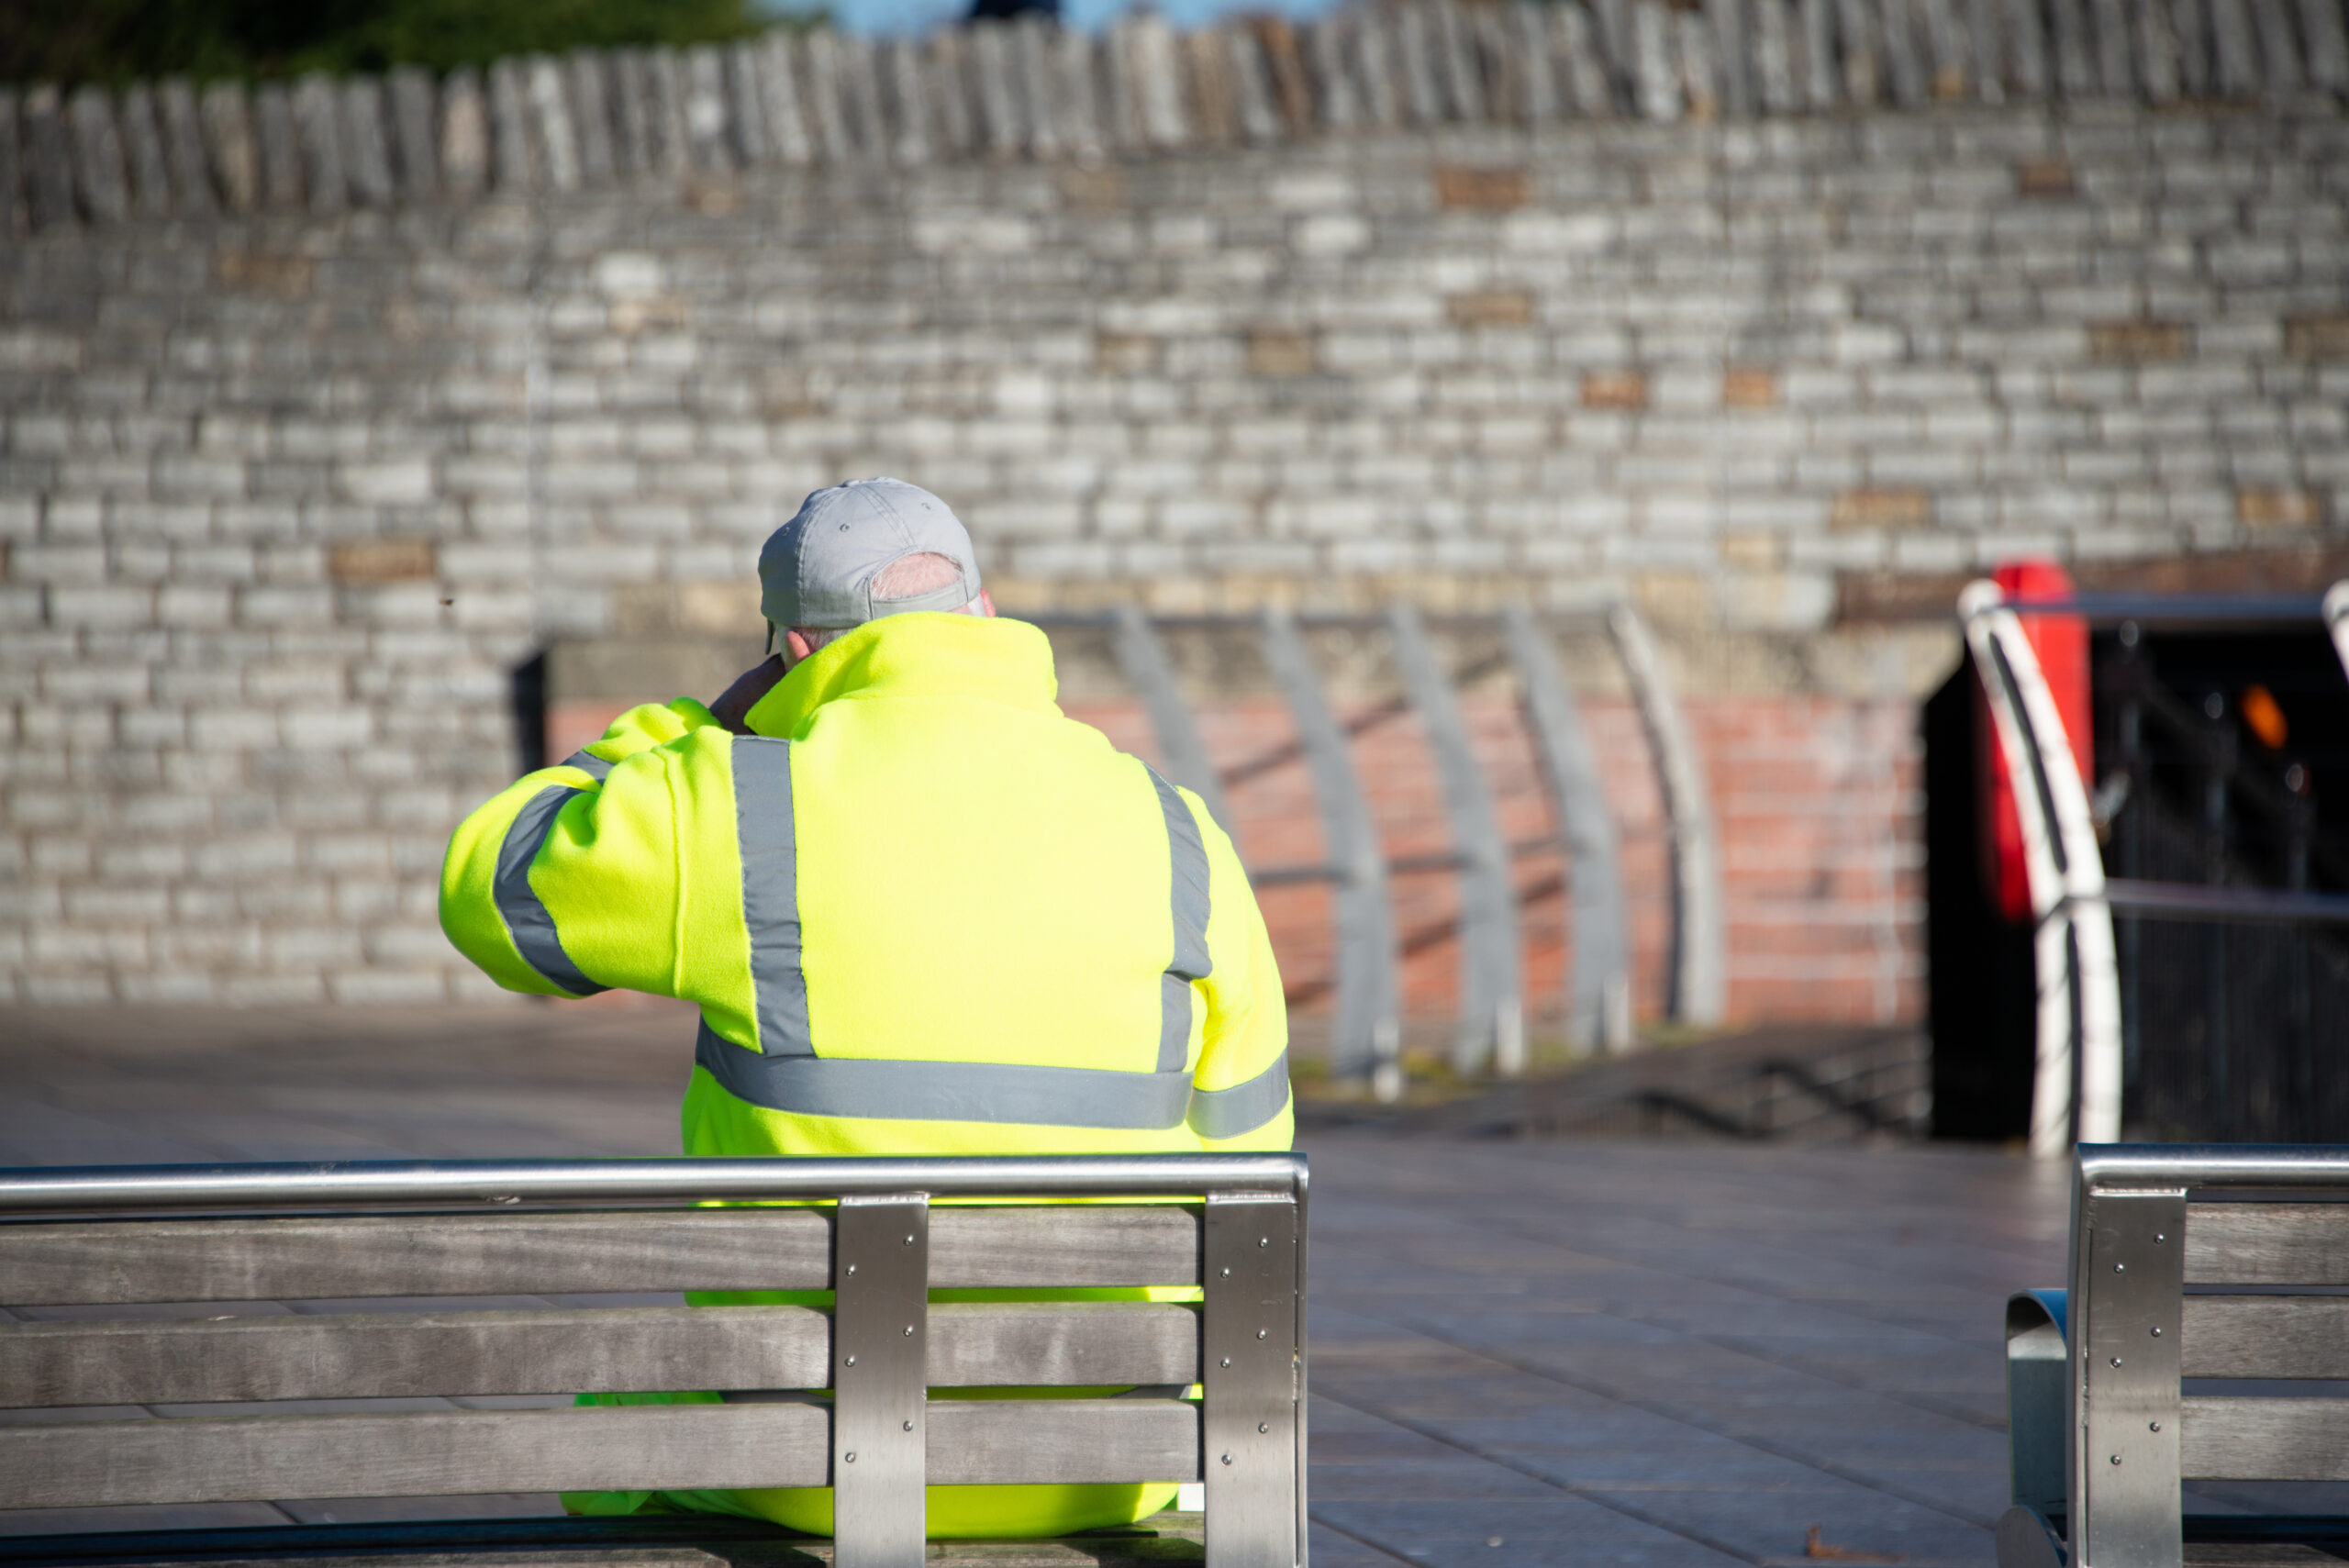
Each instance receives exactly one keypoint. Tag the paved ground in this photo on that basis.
(1595, 1353)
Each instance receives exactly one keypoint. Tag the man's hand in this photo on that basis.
(754, 683)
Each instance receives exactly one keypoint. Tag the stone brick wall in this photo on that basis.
(289, 488)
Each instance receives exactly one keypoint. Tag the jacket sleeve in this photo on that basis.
(568, 882)
(1239, 1090)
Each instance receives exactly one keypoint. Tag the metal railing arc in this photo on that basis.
(1369, 1037)
(1142, 656)
(1598, 984)
(1489, 1025)
(2335, 610)
(1700, 938)
(2078, 971)
(1492, 1005)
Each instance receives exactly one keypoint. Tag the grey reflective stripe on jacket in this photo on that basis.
(768, 838)
(588, 763)
(992, 1091)
(1244, 1107)
(1188, 858)
(786, 1074)
(527, 918)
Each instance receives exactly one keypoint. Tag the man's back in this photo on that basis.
(1000, 918)
(922, 912)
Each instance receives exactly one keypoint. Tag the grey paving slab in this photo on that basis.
(1773, 1528)
(98, 1085)
(1357, 1456)
(1879, 1357)
(40, 1134)
(1608, 1458)
(258, 1135)
(1590, 1353)
(1978, 1495)
(1960, 1322)
(1423, 1529)
(1455, 1480)
(1334, 1549)
(1741, 1317)
(1982, 1405)
(1563, 1529)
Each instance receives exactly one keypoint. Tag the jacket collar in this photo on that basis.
(916, 655)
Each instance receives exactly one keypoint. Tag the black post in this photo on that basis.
(2218, 770)
(528, 689)
(2306, 1121)
(2129, 842)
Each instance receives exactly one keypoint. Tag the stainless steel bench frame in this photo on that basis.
(1250, 1266)
(2102, 1434)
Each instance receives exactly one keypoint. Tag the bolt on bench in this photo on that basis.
(130, 1235)
(2199, 1340)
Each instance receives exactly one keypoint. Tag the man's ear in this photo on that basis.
(986, 603)
(794, 648)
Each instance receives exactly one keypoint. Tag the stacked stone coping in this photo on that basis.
(1030, 90)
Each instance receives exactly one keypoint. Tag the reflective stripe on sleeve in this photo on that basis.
(527, 918)
(990, 1091)
(588, 763)
(1189, 856)
(1244, 1107)
(767, 834)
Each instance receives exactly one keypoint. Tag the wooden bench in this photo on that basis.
(2204, 1320)
(133, 1235)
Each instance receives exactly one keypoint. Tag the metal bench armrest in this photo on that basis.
(2039, 1398)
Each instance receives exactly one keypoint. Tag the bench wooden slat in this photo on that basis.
(990, 1443)
(2264, 1440)
(419, 1453)
(2268, 1244)
(259, 1458)
(129, 1361)
(46, 1264)
(458, 1254)
(397, 1355)
(1063, 1244)
(979, 1344)
(2266, 1336)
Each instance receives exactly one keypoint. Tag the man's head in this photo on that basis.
(860, 551)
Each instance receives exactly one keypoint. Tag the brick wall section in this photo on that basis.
(286, 497)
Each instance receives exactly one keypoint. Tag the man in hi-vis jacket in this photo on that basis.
(920, 911)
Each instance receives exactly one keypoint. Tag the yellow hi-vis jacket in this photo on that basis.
(921, 911)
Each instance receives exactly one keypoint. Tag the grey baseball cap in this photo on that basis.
(818, 569)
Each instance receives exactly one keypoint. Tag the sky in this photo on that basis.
(886, 18)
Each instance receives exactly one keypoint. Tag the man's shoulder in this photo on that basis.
(965, 738)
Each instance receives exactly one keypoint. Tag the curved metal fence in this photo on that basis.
(1489, 1026)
